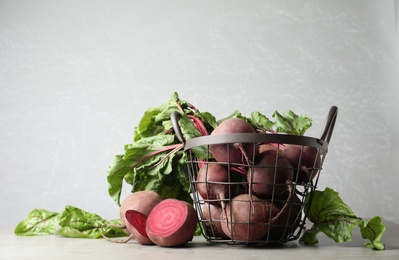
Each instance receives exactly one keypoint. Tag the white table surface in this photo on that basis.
(53, 247)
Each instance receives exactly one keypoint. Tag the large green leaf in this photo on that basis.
(78, 223)
(331, 216)
(38, 222)
(72, 222)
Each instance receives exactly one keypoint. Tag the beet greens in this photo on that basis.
(155, 159)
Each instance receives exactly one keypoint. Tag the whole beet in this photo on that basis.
(235, 152)
(305, 159)
(248, 218)
(270, 174)
(288, 219)
(212, 183)
(213, 216)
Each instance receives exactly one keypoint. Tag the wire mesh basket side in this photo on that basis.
(284, 224)
(286, 203)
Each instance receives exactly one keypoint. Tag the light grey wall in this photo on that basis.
(76, 77)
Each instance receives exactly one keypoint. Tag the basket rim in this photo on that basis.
(255, 138)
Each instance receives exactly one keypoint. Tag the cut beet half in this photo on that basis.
(172, 223)
(137, 220)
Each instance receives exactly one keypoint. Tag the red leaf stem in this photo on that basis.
(173, 148)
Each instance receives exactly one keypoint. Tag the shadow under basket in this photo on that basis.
(264, 197)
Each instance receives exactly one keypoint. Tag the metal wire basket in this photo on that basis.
(258, 201)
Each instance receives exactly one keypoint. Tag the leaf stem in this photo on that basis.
(173, 147)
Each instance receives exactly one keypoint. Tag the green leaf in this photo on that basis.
(166, 109)
(373, 230)
(39, 222)
(77, 223)
(235, 114)
(331, 216)
(309, 237)
(150, 174)
(208, 119)
(71, 233)
(187, 128)
(340, 228)
(290, 123)
(72, 222)
(261, 122)
(116, 174)
(327, 206)
(147, 126)
(132, 166)
(152, 122)
(144, 167)
(75, 233)
(189, 131)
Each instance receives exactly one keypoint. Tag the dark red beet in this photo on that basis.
(248, 218)
(212, 217)
(305, 159)
(268, 176)
(288, 220)
(238, 152)
(265, 147)
(212, 183)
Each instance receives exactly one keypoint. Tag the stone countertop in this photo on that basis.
(53, 247)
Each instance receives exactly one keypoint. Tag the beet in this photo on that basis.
(267, 146)
(212, 183)
(288, 220)
(137, 220)
(237, 152)
(305, 159)
(212, 217)
(143, 202)
(248, 218)
(270, 174)
(171, 223)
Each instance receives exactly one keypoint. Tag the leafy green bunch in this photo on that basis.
(155, 160)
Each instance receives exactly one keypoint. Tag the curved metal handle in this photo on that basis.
(330, 122)
(174, 117)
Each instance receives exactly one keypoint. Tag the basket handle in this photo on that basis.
(330, 122)
(174, 117)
